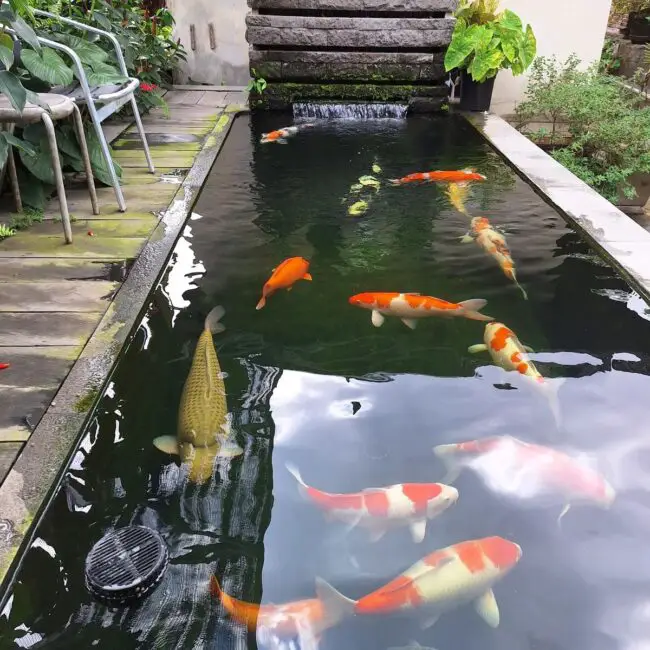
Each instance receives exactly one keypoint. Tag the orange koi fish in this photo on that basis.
(461, 176)
(380, 509)
(409, 307)
(284, 277)
(313, 616)
(280, 135)
(508, 353)
(494, 244)
(446, 578)
(522, 469)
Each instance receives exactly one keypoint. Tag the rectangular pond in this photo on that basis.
(312, 384)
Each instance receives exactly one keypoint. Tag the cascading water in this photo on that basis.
(350, 111)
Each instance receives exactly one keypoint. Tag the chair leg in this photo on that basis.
(81, 136)
(143, 136)
(13, 179)
(115, 181)
(58, 177)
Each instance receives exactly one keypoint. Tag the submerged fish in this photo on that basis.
(508, 352)
(203, 424)
(494, 244)
(463, 175)
(312, 616)
(522, 470)
(380, 509)
(280, 136)
(284, 277)
(457, 194)
(446, 578)
(409, 307)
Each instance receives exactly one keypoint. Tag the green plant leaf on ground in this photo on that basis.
(6, 231)
(48, 66)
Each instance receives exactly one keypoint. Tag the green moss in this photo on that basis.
(84, 404)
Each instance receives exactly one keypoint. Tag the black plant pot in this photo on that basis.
(638, 27)
(475, 96)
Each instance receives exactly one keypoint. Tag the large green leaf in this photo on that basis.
(6, 50)
(48, 66)
(11, 87)
(102, 21)
(510, 20)
(22, 145)
(26, 33)
(88, 52)
(529, 50)
(67, 141)
(485, 65)
(461, 46)
(33, 192)
(103, 74)
(97, 160)
(40, 164)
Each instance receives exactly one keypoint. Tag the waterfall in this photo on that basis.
(349, 111)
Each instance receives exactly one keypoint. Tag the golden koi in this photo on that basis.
(508, 353)
(457, 194)
(446, 578)
(203, 422)
(284, 277)
(494, 244)
(410, 307)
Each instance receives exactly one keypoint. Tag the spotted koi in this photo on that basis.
(380, 509)
(448, 577)
(410, 307)
(280, 135)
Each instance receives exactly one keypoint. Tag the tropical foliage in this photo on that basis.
(630, 6)
(26, 68)
(608, 124)
(485, 41)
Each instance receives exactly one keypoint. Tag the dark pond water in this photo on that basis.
(311, 382)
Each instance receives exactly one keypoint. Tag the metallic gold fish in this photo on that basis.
(457, 194)
(203, 421)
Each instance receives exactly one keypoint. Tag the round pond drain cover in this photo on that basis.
(126, 564)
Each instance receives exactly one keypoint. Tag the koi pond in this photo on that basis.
(316, 393)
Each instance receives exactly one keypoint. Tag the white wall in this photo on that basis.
(227, 64)
(562, 27)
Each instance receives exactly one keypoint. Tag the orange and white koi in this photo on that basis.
(312, 616)
(494, 243)
(380, 509)
(284, 277)
(447, 578)
(510, 354)
(280, 135)
(523, 469)
(410, 307)
(464, 175)
(457, 195)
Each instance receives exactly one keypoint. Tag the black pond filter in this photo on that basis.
(126, 565)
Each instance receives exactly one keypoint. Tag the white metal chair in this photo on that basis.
(109, 98)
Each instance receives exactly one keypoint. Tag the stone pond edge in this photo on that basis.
(613, 234)
(30, 485)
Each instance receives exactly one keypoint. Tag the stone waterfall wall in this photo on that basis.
(350, 50)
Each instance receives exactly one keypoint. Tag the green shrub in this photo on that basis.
(609, 126)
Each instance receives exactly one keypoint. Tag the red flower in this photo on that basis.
(147, 88)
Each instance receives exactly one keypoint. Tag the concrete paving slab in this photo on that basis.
(96, 248)
(64, 296)
(8, 453)
(46, 328)
(48, 270)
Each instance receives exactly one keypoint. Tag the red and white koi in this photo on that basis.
(524, 470)
(494, 244)
(381, 509)
(447, 578)
(508, 352)
(303, 618)
(280, 135)
(410, 307)
(462, 176)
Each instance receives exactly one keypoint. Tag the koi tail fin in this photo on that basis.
(212, 320)
(551, 390)
(335, 605)
(394, 181)
(472, 309)
(565, 510)
(261, 303)
(514, 279)
(302, 486)
(452, 468)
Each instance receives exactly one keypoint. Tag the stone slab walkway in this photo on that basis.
(53, 296)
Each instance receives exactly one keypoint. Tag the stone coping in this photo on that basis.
(31, 483)
(623, 242)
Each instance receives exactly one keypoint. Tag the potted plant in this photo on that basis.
(483, 43)
(638, 21)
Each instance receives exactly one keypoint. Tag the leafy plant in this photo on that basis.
(609, 59)
(609, 125)
(6, 231)
(256, 84)
(483, 48)
(630, 6)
